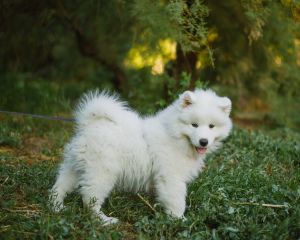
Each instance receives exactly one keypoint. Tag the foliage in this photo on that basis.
(183, 21)
(258, 47)
(102, 31)
(249, 49)
(37, 95)
(9, 136)
(174, 90)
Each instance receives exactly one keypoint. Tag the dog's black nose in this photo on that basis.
(203, 142)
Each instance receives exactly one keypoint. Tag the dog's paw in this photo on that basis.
(57, 207)
(109, 221)
(106, 220)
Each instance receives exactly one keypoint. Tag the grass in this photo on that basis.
(252, 168)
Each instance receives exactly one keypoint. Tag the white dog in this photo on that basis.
(115, 147)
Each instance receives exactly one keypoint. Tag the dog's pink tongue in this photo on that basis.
(201, 150)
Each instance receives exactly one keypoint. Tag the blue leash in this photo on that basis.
(40, 116)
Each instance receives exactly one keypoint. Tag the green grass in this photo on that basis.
(251, 167)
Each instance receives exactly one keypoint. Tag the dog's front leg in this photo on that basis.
(171, 194)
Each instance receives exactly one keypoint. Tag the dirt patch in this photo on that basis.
(33, 150)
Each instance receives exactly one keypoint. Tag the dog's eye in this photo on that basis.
(195, 125)
(211, 126)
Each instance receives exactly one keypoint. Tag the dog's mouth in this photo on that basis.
(201, 150)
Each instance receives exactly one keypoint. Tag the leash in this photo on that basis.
(40, 116)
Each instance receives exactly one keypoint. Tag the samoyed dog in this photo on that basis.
(115, 147)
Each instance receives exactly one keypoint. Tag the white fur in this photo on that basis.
(115, 147)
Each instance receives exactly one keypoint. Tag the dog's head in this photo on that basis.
(204, 118)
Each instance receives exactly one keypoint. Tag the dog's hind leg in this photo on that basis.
(96, 184)
(66, 182)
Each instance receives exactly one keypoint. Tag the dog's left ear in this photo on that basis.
(225, 105)
(187, 98)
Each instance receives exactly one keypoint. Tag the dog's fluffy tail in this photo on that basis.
(95, 105)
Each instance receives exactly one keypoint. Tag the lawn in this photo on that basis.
(249, 190)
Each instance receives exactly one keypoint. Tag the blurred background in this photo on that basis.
(150, 51)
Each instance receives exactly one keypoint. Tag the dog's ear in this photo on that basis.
(225, 105)
(187, 98)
